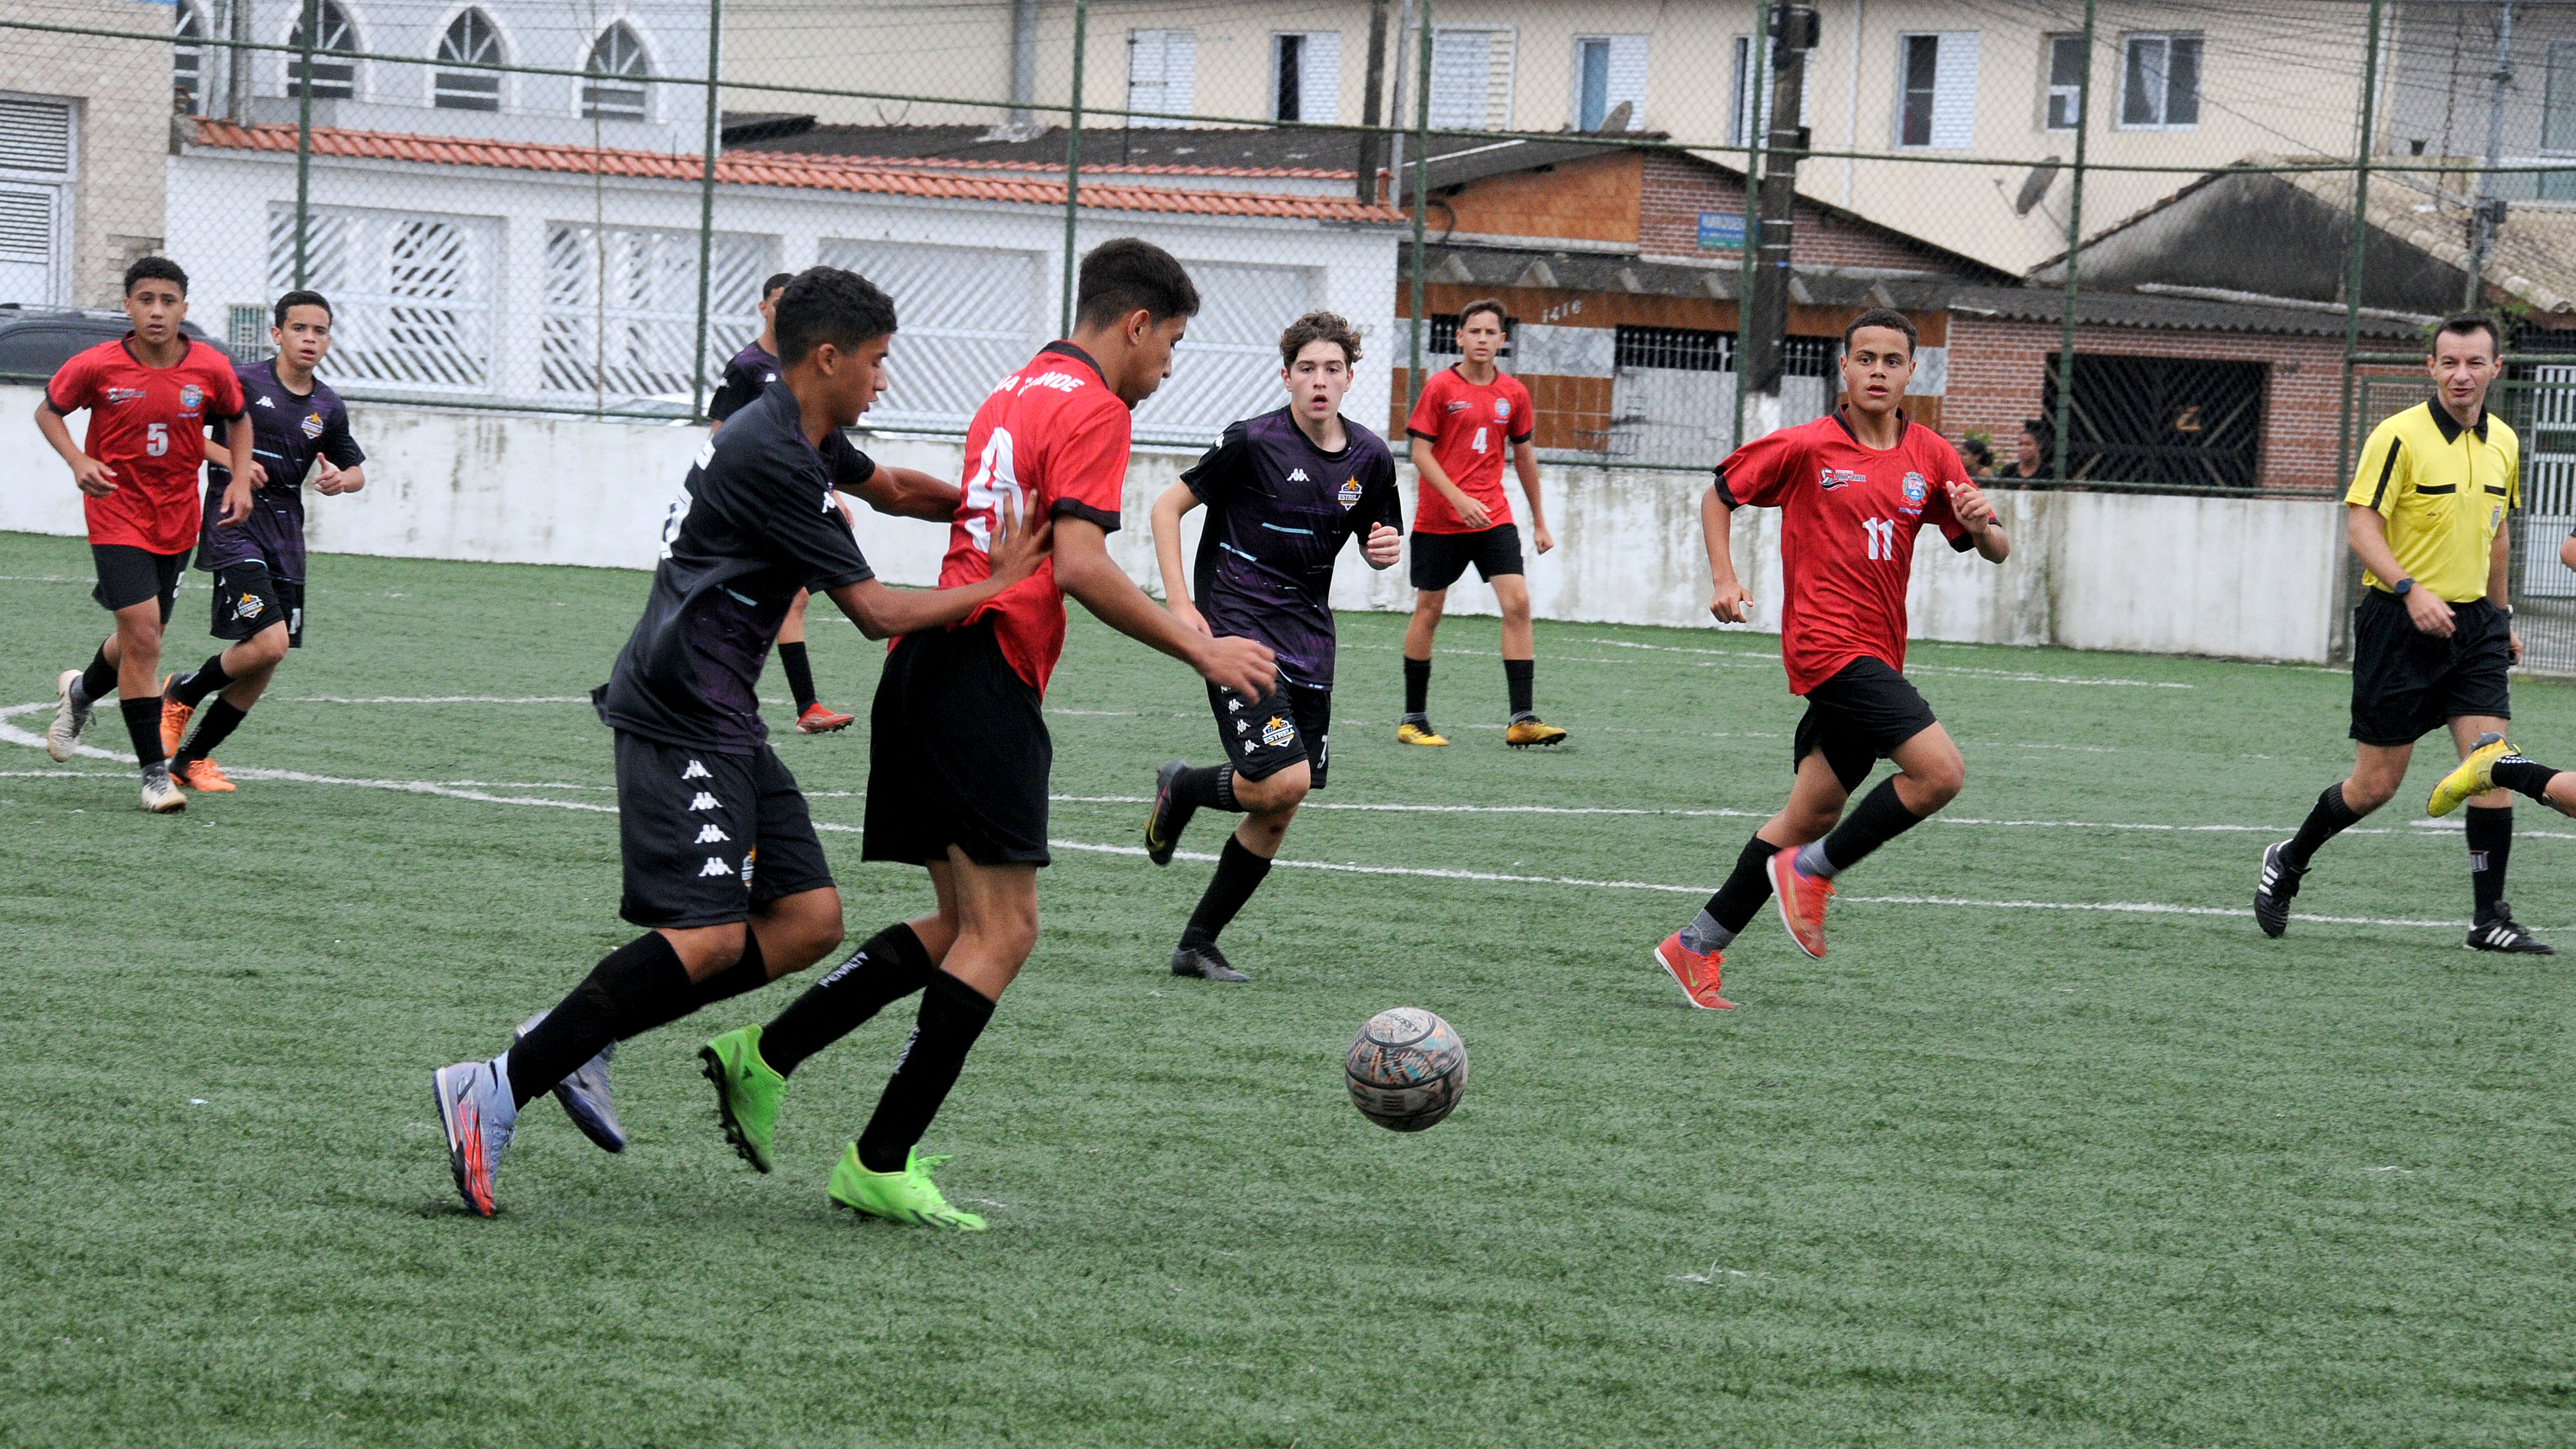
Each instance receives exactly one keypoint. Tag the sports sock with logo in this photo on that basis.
(1239, 873)
(2490, 848)
(1417, 685)
(1210, 787)
(952, 1016)
(192, 689)
(889, 966)
(1517, 679)
(800, 674)
(2528, 777)
(1881, 816)
(143, 725)
(638, 982)
(97, 682)
(2329, 818)
(1730, 910)
(214, 726)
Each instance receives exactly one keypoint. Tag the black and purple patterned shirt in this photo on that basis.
(1279, 511)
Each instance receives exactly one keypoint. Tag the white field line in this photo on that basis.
(438, 699)
(2015, 675)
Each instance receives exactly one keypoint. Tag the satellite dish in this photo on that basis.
(2035, 186)
(1617, 120)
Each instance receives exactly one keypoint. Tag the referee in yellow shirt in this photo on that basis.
(2432, 638)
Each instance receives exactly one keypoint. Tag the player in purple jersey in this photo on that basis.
(1283, 491)
(299, 426)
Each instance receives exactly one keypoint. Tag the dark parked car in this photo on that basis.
(35, 341)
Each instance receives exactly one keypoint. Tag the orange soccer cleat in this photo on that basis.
(1802, 900)
(174, 718)
(817, 720)
(1696, 973)
(201, 775)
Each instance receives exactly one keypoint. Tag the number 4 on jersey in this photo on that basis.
(993, 481)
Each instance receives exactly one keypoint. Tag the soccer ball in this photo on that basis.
(1406, 1069)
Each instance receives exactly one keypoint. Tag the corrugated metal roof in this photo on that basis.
(2177, 314)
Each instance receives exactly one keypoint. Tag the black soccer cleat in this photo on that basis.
(1170, 815)
(2275, 889)
(2495, 931)
(1207, 963)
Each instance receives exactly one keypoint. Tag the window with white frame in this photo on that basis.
(2064, 85)
(618, 59)
(1609, 72)
(470, 37)
(412, 293)
(36, 153)
(971, 315)
(331, 79)
(1937, 97)
(1306, 76)
(1471, 78)
(188, 60)
(2159, 82)
(1743, 126)
(621, 312)
(1161, 65)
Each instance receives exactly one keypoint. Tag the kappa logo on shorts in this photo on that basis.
(1233, 704)
(1278, 731)
(312, 423)
(249, 607)
(1243, 727)
(709, 835)
(715, 866)
(697, 771)
(704, 801)
(1348, 495)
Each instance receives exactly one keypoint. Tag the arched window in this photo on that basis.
(331, 79)
(470, 38)
(188, 62)
(618, 54)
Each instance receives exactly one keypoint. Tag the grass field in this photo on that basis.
(2055, 1148)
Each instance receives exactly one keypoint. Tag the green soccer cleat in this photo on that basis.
(2474, 777)
(908, 1196)
(747, 1092)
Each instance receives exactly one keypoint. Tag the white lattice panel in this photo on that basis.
(969, 317)
(411, 294)
(1227, 367)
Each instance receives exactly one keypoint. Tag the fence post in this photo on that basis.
(706, 209)
(1073, 161)
(1757, 70)
(304, 136)
(2074, 246)
(2360, 245)
(1421, 202)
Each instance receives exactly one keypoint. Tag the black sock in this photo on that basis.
(98, 682)
(1417, 684)
(891, 965)
(2527, 776)
(214, 727)
(1239, 873)
(2327, 820)
(1881, 816)
(1747, 886)
(747, 974)
(143, 723)
(1516, 678)
(1211, 788)
(952, 1016)
(639, 981)
(2490, 848)
(800, 674)
(192, 689)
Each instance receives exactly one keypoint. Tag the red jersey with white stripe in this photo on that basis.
(149, 424)
(1848, 517)
(1053, 429)
(1470, 426)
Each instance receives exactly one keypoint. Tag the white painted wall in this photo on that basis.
(2248, 578)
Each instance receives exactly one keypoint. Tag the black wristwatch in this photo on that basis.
(2402, 587)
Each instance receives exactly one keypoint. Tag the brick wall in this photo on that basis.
(122, 120)
(1676, 189)
(1999, 368)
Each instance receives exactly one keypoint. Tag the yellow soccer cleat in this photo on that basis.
(1533, 731)
(2475, 776)
(1411, 733)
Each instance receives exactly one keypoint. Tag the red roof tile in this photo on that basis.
(763, 168)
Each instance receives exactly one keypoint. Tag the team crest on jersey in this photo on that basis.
(1830, 479)
(1278, 731)
(312, 425)
(1348, 495)
(1915, 488)
(1502, 407)
(190, 396)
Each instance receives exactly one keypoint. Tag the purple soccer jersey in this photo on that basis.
(1279, 511)
(288, 430)
(751, 370)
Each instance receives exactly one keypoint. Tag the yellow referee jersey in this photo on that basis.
(2444, 490)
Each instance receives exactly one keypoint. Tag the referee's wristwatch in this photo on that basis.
(2402, 587)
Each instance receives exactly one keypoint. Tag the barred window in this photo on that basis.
(1444, 334)
(412, 294)
(621, 313)
(1685, 349)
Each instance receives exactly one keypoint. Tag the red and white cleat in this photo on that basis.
(817, 720)
(1696, 973)
(1802, 900)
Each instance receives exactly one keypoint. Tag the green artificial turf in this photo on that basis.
(1990, 1174)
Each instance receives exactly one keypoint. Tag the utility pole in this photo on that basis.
(1794, 29)
(1372, 145)
(2487, 217)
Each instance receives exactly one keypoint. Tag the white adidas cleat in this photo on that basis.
(69, 718)
(160, 793)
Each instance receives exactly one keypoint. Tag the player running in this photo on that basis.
(298, 426)
(150, 397)
(751, 370)
(1283, 492)
(1469, 413)
(1853, 489)
(958, 754)
(721, 861)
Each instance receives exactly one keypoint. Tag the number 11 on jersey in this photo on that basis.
(1882, 537)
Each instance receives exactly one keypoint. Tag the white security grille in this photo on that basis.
(1227, 366)
(36, 136)
(1471, 79)
(969, 317)
(2549, 483)
(650, 308)
(30, 223)
(412, 294)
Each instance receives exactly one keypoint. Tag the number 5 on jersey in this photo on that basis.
(994, 485)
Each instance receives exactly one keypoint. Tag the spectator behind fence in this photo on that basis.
(1978, 454)
(2030, 452)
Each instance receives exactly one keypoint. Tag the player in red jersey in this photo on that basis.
(1853, 490)
(150, 396)
(1468, 415)
(958, 751)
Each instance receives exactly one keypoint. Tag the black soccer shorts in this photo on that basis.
(2407, 683)
(708, 837)
(1292, 722)
(1858, 717)
(958, 754)
(248, 598)
(1441, 559)
(128, 575)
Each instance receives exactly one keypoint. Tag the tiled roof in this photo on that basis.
(761, 168)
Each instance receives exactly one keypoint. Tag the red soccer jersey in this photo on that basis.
(1053, 429)
(149, 424)
(1469, 429)
(1848, 516)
